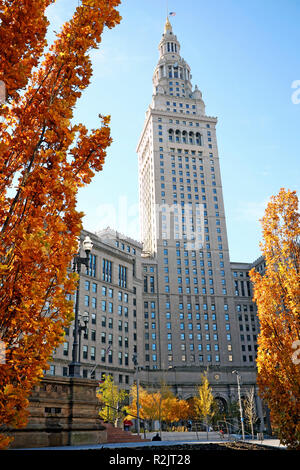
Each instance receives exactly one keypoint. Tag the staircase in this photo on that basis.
(115, 435)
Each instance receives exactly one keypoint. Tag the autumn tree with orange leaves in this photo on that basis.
(277, 295)
(161, 405)
(44, 160)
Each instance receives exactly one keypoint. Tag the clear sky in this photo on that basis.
(244, 56)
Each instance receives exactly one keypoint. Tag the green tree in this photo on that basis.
(112, 400)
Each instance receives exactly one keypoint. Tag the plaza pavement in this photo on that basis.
(168, 438)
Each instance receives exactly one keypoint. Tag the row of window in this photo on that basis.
(189, 336)
(181, 111)
(150, 268)
(201, 254)
(242, 288)
(187, 106)
(107, 271)
(240, 274)
(248, 338)
(247, 327)
(105, 305)
(200, 357)
(122, 296)
(105, 321)
(86, 373)
(244, 308)
(184, 123)
(246, 318)
(189, 326)
(196, 290)
(122, 325)
(124, 247)
(189, 306)
(184, 137)
(186, 152)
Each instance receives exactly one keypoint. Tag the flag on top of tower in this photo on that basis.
(172, 13)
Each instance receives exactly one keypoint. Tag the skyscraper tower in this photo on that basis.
(189, 296)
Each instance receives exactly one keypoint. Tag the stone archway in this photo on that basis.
(222, 405)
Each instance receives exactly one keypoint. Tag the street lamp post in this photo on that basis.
(74, 367)
(135, 362)
(84, 327)
(240, 401)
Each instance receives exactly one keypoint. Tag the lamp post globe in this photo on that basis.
(87, 244)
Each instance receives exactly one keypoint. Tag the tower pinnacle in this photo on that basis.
(168, 26)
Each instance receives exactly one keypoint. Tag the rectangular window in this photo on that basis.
(106, 270)
(122, 276)
(66, 349)
(91, 270)
(94, 287)
(93, 353)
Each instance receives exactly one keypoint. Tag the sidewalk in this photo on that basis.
(186, 436)
(168, 439)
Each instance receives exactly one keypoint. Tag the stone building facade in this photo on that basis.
(175, 300)
(111, 293)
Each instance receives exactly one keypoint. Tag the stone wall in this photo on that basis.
(63, 411)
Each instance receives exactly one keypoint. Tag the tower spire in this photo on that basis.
(168, 26)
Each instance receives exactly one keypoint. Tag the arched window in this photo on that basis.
(171, 135)
(178, 135)
(184, 137)
(191, 137)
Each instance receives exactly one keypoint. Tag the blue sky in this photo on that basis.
(244, 57)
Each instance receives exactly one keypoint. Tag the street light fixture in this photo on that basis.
(240, 401)
(74, 367)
